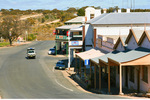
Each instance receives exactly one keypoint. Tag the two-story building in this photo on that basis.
(63, 34)
(113, 24)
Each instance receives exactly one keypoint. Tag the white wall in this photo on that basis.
(108, 30)
(144, 87)
(120, 47)
(88, 36)
(89, 11)
(116, 29)
(132, 43)
(145, 43)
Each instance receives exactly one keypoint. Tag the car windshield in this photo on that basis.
(52, 49)
(60, 62)
(31, 51)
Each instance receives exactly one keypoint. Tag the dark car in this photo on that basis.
(51, 51)
(60, 65)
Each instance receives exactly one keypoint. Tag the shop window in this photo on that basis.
(145, 74)
(132, 74)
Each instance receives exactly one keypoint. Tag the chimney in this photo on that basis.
(97, 12)
(128, 10)
(119, 10)
(105, 10)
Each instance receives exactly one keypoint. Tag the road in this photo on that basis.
(35, 78)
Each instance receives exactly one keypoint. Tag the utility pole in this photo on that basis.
(69, 51)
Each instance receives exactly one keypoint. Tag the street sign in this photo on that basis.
(86, 62)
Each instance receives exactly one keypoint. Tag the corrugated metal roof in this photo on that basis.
(122, 18)
(76, 29)
(130, 55)
(96, 18)
(104, 57)
(125, 56)
(68, 26)
(79, 19)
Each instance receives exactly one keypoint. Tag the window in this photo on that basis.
(91, 16)
(132, 74)
(145, 74)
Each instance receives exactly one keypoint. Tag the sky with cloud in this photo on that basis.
(65, 4)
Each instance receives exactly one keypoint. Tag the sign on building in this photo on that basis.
(86, 62)
(74, 43)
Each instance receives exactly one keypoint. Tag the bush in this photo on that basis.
(2, 44)
(31, 37)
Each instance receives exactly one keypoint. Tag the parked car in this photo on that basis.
(31, 53)
(60, 65)
(51, 51)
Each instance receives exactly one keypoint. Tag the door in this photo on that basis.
(126, 76)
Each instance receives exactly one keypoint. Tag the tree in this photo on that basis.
(11, 28)
(81, 12)
(71, 10)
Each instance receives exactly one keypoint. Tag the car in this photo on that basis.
(51, 51)
(60, 65)
(31, 53)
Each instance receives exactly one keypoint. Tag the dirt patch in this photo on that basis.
(16, 44)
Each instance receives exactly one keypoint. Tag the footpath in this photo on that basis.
(78, 83)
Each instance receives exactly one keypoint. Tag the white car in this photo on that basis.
(31, 53)
(51, 51)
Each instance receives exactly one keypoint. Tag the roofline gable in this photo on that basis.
(145, 34)
(117, 43)
(130, 35)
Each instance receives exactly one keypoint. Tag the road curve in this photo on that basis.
(35, 78)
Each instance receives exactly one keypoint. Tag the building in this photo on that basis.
(63, 34)
(130, 60)
(113, 24)
(69, 36)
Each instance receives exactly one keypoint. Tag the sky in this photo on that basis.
(65, 4)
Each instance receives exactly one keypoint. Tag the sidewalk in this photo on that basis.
(76, 81)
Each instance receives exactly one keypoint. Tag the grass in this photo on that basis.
(2, 44)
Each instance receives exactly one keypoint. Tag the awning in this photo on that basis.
(68, 27)
(92, 53)
(76, 29)
(103, 57)
(139, 56)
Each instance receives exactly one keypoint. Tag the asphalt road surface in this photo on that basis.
(36, 78)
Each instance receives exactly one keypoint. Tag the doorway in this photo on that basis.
(126, 76)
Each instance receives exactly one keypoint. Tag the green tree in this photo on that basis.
(81, 12)
(11, 28)
(31, 37)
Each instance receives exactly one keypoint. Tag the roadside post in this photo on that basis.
(69, 51)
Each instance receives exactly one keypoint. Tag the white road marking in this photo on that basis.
(53, 68)
(63, 86)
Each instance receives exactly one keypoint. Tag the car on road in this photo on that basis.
(60, 65)
(31, 53)
(51, 51)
